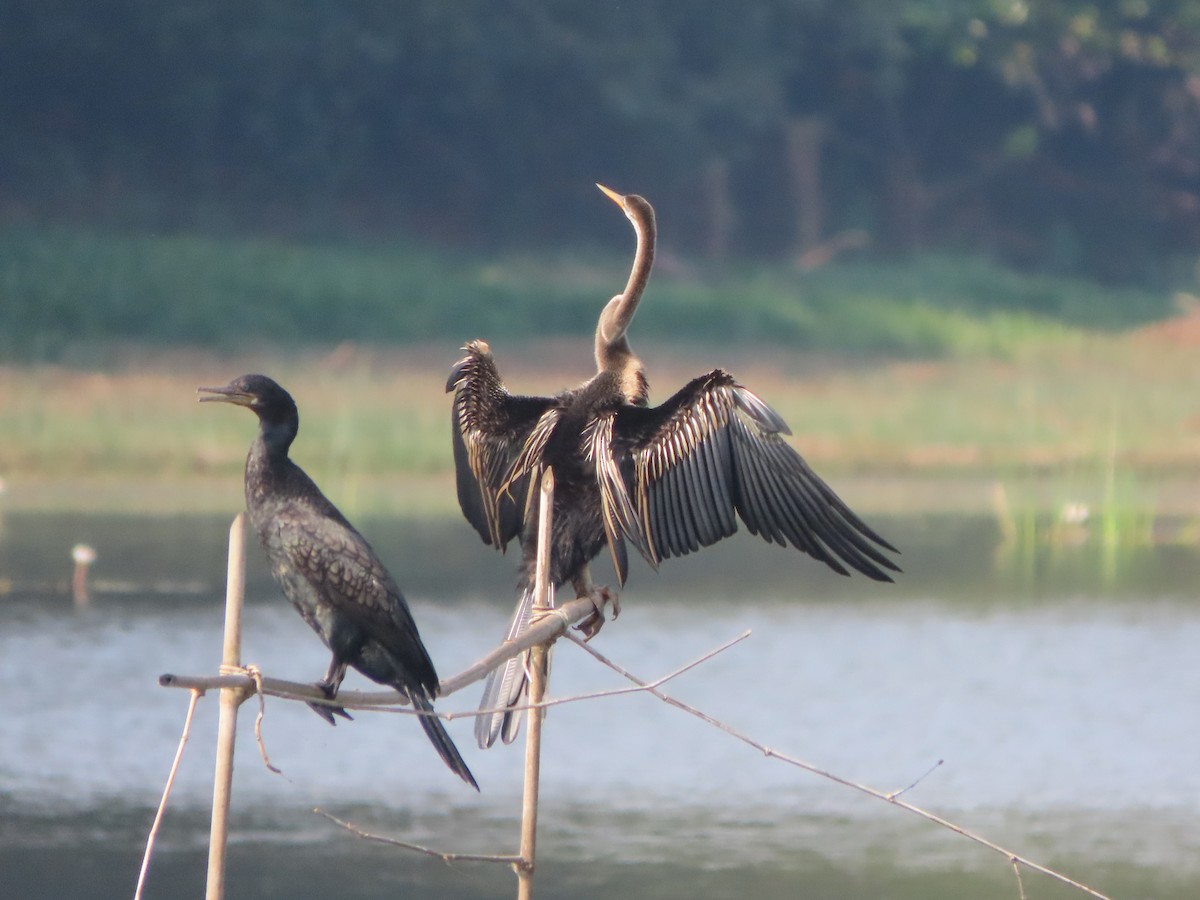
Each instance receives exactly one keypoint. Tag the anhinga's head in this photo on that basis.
(637, 208)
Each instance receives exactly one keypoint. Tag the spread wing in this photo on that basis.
(715, 450)
(497, 441)
(345, 593)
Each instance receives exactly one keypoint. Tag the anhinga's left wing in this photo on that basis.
(713, 450)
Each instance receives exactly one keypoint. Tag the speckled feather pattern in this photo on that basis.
(328, 570)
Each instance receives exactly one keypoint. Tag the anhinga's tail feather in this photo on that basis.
(438, 736)
(506, 686)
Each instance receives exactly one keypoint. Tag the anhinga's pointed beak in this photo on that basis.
(227, 394)
(612, 195)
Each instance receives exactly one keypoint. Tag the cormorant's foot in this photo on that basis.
(600, 597)
(328, 712)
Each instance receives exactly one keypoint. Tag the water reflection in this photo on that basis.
(1065, 710)
(959, 559)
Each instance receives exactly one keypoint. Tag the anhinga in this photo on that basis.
(669, 479)
(328, 570)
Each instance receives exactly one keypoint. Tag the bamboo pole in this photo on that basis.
(538, 673)
(231, 699)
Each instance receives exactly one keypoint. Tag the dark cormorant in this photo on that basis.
(328, 570)
(670, 479)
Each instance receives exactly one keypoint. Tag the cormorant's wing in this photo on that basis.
(492, 430)
(345, 593)
(713, 450)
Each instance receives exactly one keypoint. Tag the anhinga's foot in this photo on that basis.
(600, 597)
(328, 712)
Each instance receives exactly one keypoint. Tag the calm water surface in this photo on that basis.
(1060, 690)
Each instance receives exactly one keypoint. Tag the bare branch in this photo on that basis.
(547, 629)
(162, 804)
(445, 857)
(1014, 858)
(390, 701)
(648, 686)
(918, 780)
(1016, 864)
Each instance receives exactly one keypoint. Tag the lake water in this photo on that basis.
(1059, 685)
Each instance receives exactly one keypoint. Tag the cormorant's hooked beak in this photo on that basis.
(227, 394)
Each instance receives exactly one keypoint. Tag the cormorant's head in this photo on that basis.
(272, 404)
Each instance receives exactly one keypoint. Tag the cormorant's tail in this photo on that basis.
(506, 686)
(440, 739)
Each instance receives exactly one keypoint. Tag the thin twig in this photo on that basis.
(916, 781)
(872, 792)
(162, 804)
(1017, 871)
(445, 857)
(647, 687)
(519, 860)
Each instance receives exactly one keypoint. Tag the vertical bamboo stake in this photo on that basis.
(538, 670)
(231, 699)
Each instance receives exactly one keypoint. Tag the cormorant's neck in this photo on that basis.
(276, 433)
(269, 471)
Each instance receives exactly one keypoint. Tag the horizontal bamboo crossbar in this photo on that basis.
(545, 629)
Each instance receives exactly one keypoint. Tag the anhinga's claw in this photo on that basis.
(600, 597)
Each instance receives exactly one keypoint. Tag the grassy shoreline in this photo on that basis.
(374, 427)
(945, 374)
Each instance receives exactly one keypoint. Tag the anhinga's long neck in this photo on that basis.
(612, 347)
(642, 217)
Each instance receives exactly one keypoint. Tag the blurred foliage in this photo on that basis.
(63, 288)
(1060, 135)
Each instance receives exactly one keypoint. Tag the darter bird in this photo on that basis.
(668, 479)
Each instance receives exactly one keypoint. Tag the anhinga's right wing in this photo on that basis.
(497, 442)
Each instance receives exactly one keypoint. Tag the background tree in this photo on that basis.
(1059, 135)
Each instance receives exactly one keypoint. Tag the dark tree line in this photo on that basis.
(1062, 135)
